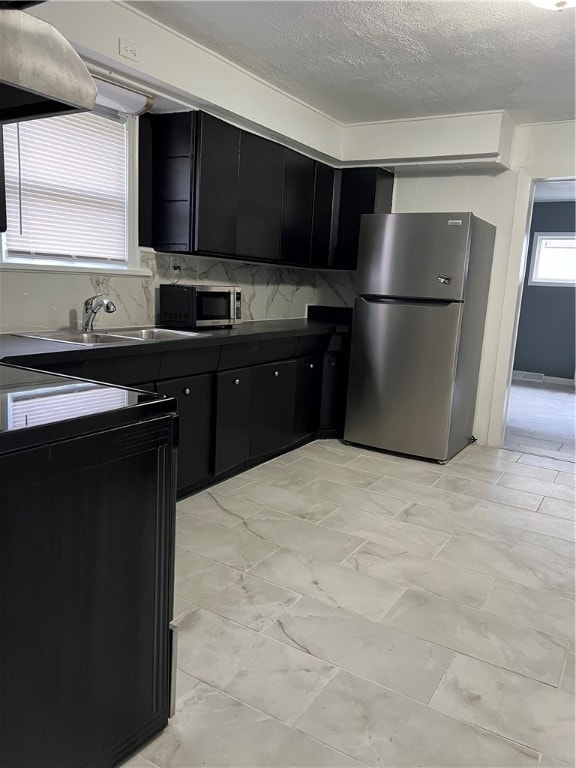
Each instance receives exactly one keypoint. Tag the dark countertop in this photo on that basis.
(37, 408)
(36, 352)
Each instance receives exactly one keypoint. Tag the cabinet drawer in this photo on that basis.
(238, 355)
(277, 349)
(312, 345)
(126, 371)
(186, 362)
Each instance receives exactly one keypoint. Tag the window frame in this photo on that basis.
(534, 258)
(132, 264)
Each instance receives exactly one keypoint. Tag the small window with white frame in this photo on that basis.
(553, 259)
(68, 190)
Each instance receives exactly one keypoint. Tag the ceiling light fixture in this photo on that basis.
(554, 5)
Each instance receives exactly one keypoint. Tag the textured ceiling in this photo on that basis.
(363, 61)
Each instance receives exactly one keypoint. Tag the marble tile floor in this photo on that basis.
(541, 419)
(343, 607)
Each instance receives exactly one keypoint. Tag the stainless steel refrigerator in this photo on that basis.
(421, 294)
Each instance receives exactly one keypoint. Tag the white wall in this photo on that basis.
(34, 301)
(168, 61)
(483, 136)
(540, 151)
(165, 57)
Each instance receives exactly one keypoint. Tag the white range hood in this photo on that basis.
(40, 72)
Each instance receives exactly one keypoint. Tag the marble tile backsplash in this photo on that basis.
(42, 300)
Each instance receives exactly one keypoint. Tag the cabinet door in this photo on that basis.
(233, 394)
(217, 167)
(297, 204)
(259, 198)
(325, 217)
(363, 190)
(308, 394)
(334, 385)
(87, 547)
(272, 411)
(173, 150)
(195, 405)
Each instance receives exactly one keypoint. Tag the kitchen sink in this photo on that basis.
(157, 334)
(77, 337)
(111, 337)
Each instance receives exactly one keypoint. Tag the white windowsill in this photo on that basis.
(76, 270)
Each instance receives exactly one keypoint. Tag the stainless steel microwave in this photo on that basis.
(200, 306)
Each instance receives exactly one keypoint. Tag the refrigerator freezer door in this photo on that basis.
(418, 255)
(402, 370)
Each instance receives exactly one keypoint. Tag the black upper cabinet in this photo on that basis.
(297, 207)
(208, 187)
(325, 215)
(3, 220)
(173, 168)
(217, 170)
(259, 198)
(363, 190)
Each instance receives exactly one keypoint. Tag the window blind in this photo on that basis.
(66, 188)
(46, 406)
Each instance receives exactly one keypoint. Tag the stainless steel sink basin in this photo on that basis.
(72, 337)
(157, 334)
(112, 337)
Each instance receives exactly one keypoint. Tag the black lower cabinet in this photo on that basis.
(334, 388)
(195, 396)
(233, 397)
(272, 407)
(308, 395)
(149, 386)
(86, 553)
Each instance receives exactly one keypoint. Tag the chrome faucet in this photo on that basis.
(92, 306)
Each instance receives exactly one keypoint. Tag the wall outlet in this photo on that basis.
(126, 49)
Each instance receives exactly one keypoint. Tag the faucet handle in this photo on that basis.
(109, 306)
(89, 301)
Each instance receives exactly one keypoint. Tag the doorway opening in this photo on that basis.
(541, 405)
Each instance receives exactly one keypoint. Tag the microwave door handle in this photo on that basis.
(232, 305)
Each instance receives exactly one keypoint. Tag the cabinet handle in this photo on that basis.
(186, 390)
(236, 381)
(311, 365)
(276, 373)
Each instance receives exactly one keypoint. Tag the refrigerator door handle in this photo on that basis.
(371, 299)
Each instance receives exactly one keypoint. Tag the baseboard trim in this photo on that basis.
(557, 380)
(541, 378)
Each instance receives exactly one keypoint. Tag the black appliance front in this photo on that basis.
(193, 306)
